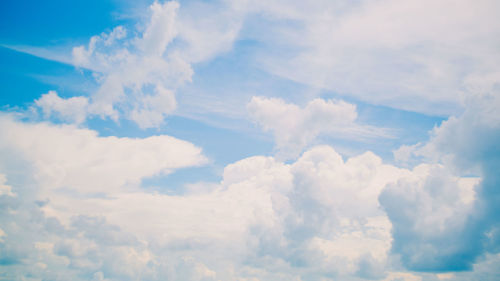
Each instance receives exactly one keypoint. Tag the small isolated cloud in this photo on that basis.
(294, 128)
(73, 110)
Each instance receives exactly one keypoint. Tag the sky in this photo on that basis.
(218, 140)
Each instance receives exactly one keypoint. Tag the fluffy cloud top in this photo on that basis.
(137, 77)
(294, 128)
(438, 231)
(139, 71)
(73, 109)
(429, 210)
(67, 157)
(318, 216)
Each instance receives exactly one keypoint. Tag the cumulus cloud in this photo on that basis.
(429, 210)
(294, 128)
(80, 201)
(65, 156)
(320, 216)
(72, 109)
(459, 232)
(54, 173)
(139, 71)
(336, 222)
(137, 77)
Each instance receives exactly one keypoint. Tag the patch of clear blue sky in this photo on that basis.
(233, 78)
(55, 21)
(25, 77)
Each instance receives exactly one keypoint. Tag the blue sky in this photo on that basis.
(249, 140)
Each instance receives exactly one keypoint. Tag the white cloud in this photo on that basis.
(429, 210)
(207, 29)
(5, 190)
(153, 108)
(316, 217)
(468, 141)
(265, 220)
(294, 128)
(405, 154)
(334, 205)
(137, 76)
(82, 56)
(72, 109)
(78, 159)
(57, 172)
(161, 29)
(404, 54)
(438, 224)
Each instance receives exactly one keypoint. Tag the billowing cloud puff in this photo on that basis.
(137, 77)
(434, 229)
(73, 109)
(66, 157)
(318, 217)
(429, 210)
(139, 71)
(79, 196)
(335, 222)
(294, 128)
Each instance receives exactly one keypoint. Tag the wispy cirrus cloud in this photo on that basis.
(412, 55)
